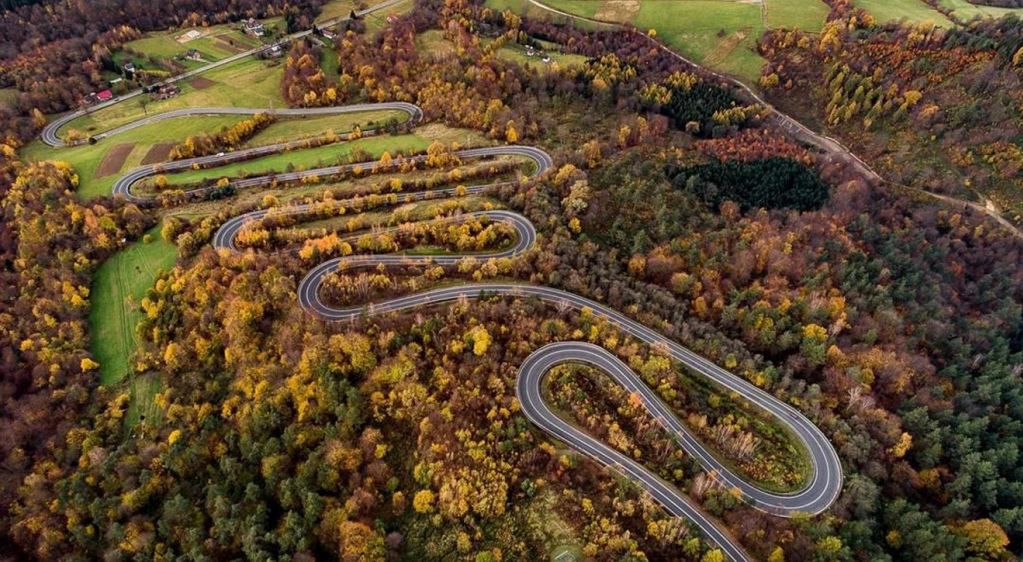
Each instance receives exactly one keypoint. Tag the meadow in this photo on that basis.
(910, 10)
(917, 11)
(964, 10)
(721, 34)
(117, 288)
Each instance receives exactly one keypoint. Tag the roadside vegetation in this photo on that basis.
(305, 159)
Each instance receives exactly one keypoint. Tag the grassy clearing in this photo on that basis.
(585, 8)
(247, 83)
(378, 20)
(720, 34)
(913, 11)
(517, 54)
(560, 538)
(143, 390)
(531, 10)
(807, 15)
(8, 95)
(329, 63)
(119, 284)
(308, 158)
(963, 9)
(335, 9)
(433, 41)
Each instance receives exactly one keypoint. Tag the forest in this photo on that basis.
(893, 321)
(770, 183)
(933, 110)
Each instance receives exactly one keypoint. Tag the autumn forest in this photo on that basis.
(202, 358)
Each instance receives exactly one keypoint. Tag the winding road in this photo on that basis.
(825, 482)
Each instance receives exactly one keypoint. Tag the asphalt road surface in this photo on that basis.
(819, 493)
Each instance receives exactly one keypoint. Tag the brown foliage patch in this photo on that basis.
(754, 144)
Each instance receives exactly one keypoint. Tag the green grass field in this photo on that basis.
(335, 9)
(294, 128)
(963, 9)
(517, 54)
(807, 15)
(721, 34)
(143, 389)
(526, 8)
(585, 8)
(378, 20)
(340, 8)
(86, 158)
(308, 158)
(434, 42)
(123, 278)
(914, 11)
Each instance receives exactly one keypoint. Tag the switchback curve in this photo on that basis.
(825, 483)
